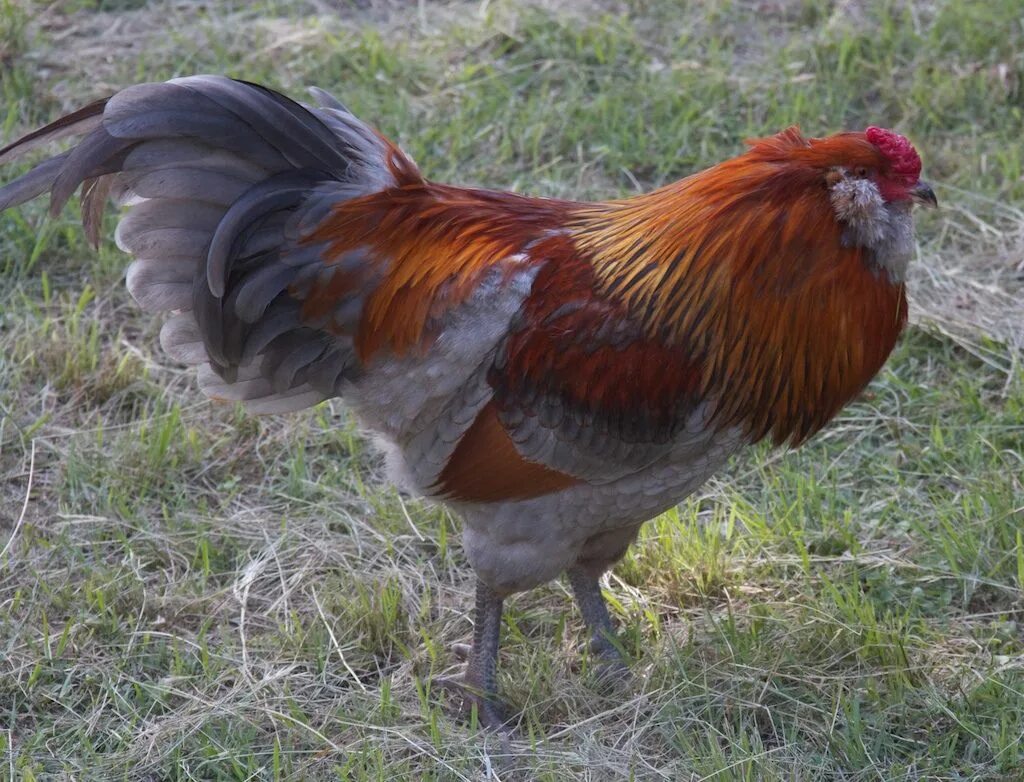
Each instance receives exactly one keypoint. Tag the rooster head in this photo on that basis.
(872, 179)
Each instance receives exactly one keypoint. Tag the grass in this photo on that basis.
(190, 593)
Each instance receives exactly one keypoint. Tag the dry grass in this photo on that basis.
(190, 593)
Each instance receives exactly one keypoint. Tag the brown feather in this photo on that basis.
(486, 467)
(94, 202)
(590, 356)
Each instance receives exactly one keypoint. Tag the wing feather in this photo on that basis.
(581, 393)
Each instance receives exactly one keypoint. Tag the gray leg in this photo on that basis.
(478, 685)
(482, 667)
(587, 590)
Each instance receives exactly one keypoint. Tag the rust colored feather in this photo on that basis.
(486, 467)
(430, 243)
(589, 355)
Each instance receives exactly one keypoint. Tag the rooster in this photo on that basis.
(555, 372)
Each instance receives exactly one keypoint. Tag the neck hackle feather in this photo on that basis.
(744, 264)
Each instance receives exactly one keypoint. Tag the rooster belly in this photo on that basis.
(515, 546)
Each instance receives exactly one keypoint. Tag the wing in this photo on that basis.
(580, 393)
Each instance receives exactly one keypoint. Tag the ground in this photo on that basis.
(187, 592)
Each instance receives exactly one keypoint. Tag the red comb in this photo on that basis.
(902, 156)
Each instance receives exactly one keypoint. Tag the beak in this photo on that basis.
(923, 194)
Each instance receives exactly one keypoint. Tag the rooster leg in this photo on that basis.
(478, 685)
(587, 589)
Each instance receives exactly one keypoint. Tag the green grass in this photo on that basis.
(187, 592)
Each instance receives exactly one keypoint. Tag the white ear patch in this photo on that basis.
(857, 201)
(887, 229)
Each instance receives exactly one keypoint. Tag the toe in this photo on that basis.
(612, 676)
(491, 712)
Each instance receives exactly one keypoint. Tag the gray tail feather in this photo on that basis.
(75, 123)
(218, 174)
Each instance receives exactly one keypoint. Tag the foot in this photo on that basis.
(491, 711)
(477, 686)
(610, 669)
(609, 665)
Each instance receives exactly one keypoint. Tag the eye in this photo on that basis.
(860, 172)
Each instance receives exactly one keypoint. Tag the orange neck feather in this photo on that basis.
(744, 265)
